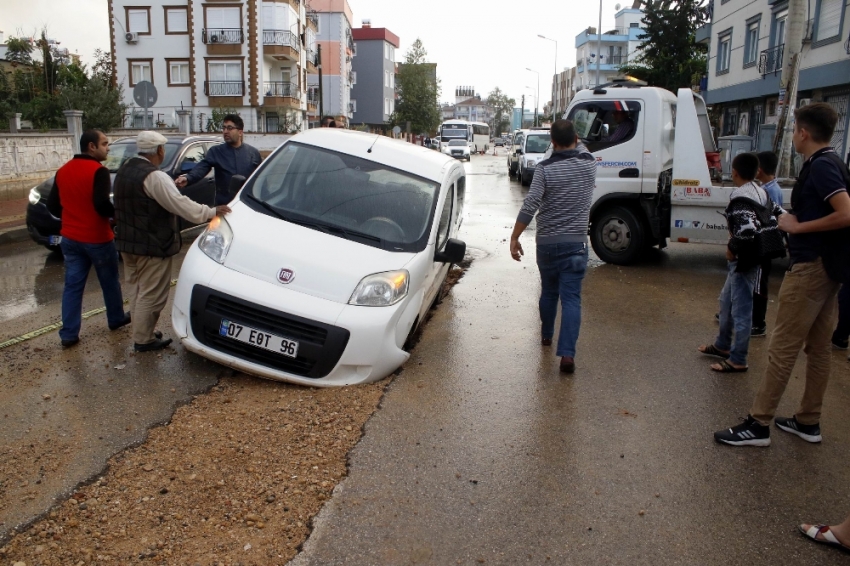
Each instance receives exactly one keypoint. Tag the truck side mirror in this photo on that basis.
(452, 253)
(605, 130)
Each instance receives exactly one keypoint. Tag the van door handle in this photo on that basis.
(630, 173)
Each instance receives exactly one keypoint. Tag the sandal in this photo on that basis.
(711, 350)
(828, 538)
(726, 367)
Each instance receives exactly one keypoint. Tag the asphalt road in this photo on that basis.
(481, 451)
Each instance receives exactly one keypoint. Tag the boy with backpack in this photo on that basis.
(767, 177)
(819, 246)
(753, 239)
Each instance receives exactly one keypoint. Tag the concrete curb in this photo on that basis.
(14, 234)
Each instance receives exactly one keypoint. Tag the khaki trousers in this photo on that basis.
(147, 280)
(805, 319)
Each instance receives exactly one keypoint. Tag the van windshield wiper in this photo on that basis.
(267, 206)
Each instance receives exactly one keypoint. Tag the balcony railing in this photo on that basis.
(615, 59)
(313, 57)
(313, 96)
(223, 35)
(770, 60)
(314, 19)
(274, 89)
(280, 37)
(224, 88)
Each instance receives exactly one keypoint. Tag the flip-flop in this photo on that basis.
(726, 367)
(829, 538)
(711, 350)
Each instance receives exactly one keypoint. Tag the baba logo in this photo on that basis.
(285, 276)
(698, 192)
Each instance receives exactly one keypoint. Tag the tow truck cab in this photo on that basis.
(640, 193)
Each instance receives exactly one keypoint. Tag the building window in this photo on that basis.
(724, 48)
(178, 72)
(751, 43)
(176, 20)
(140, 70)
(386, 79)
(275, 16)
(634, 25)
(353, 77)
(138, 19)
(387, 106)
(224, 78)
(779, 20)
(354, 49)
(828, 20)
(222, 18)
(389, 52)
(353, 105)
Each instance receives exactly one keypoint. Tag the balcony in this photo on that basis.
(313, 20)
(281, 44)
(224, 88)
(312, 98)
(770, 60)
(312, 61)
(223, 35)
(282, 94)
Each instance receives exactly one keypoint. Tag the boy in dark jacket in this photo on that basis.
(746, 218)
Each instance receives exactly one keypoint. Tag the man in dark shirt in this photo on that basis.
(233, 157)
(80, 197)
(807, 298)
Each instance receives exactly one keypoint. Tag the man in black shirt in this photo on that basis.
(807, 298)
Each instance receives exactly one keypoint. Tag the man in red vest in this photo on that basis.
(80, 197)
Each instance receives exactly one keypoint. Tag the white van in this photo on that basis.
(336, 248)
(533, 146)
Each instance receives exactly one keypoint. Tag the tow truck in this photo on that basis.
(653, 183)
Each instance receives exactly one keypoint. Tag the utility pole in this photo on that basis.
(522, 112)
(319, 66)
(791, 54)
(599, 43)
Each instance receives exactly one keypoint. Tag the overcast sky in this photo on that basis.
(474, 42)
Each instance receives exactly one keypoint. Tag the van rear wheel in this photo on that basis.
(617, 235)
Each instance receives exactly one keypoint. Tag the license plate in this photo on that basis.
(54, 240)
(258, 338)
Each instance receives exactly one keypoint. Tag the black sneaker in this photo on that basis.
(152, 346)
(70, 343)
(809, 433)
(127, 320)
(748, 433)
(758, 331)
(839, 344)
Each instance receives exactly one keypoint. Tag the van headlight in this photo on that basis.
(216, 239)
(381, 289)
(35, 196)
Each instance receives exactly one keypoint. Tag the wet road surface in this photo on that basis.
(482, 453)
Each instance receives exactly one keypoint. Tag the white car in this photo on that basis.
(459, 149)
(531, 152)
(336, 248)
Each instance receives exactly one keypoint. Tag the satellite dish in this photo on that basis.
(617, 7)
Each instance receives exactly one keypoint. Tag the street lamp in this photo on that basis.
(537, 97)
(599, 44)
(555, 90)
(531, 91)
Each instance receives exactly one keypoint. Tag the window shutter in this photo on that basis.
(829, 18)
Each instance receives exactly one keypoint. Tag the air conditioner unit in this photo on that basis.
(131, 37)
(805, 101)
(214, 39)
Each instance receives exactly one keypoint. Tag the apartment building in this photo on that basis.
(563, 90)
(334, 35)
(608, 51)
(373, 72)
(251, 56)
(746, 56)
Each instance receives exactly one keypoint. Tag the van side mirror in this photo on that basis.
(605, 130)
(236, 183)
(452, 253)
(519, 151)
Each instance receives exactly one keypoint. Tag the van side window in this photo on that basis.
(445, 218)
(591, 119)
(461, 192)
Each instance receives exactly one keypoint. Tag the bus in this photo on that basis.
(476, 133)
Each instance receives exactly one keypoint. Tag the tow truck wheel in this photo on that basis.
(617, 235)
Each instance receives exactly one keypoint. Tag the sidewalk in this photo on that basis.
(13, 221)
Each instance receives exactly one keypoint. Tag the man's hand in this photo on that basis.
(788, 223)
(181, 181)
(516, 249)
(222, 209)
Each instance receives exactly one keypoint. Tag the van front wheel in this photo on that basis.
(617, 235)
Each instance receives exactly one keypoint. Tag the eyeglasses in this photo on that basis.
(228, 128)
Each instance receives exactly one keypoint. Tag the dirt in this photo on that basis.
(235, 478)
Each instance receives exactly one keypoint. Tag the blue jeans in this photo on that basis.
(562, 268)
(79, 259)
(736, 314)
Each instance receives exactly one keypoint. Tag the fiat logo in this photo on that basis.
(285, 276)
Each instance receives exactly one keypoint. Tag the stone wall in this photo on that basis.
(28, 159)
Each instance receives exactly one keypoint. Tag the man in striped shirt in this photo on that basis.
(560, 194)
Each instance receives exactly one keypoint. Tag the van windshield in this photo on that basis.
(537, 144)
(345, 196)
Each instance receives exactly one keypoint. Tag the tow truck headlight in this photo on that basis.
(34, 196)
(216, 239)
(381, 289)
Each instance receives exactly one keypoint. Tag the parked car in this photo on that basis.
(530, 152)
(336, 248)
(499, 142)
(458, 149)
(182, 153)
(435, 144)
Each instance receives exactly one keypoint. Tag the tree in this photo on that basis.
(418, 91)
(503, 107)
(19, 50)
(102, 68)
(669, 55)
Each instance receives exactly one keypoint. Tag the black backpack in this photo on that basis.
(836, 243)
